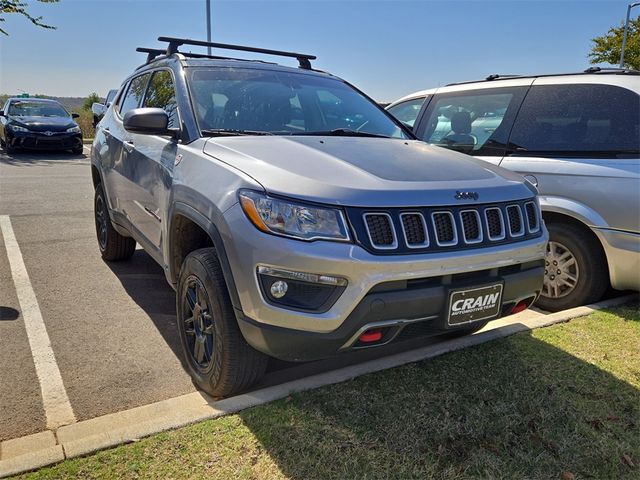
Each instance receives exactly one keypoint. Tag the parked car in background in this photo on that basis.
(577, 137)
(38, 124)
(297, 219)
(99, 109)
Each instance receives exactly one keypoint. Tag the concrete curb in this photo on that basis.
(82, 438)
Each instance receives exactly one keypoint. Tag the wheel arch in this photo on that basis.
(550, 216)
(190, 230)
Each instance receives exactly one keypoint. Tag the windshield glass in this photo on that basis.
(283, 103)
(37, 109)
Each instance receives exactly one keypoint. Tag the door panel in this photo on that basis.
(582, 143)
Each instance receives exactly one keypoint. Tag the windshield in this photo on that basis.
(254, 101)
(37, 109)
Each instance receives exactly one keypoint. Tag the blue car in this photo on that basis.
(38, 124)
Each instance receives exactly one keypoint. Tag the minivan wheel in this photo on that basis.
(113, 246)
(576, 271)
(217, 356)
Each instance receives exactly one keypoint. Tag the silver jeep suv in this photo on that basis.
(295, 218)
(577, 137)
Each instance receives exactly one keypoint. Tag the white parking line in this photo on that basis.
(54, 396)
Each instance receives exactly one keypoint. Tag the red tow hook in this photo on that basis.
(371, 336)
(520, 307)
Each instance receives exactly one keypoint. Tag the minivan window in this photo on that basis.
(134, 94)
(283, 103)
(475, 122)
(161, 94)
(407, 112)
(578, 119)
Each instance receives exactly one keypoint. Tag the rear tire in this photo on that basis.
(113, 246)
(576, 271)
(217, 356)
(77, 150)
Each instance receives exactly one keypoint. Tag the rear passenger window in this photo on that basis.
(161, 94)
(475, 122)
(134, 94)
(578, 120)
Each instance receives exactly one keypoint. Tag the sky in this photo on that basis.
(386, 48)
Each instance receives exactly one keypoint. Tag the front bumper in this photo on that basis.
(248, 248)
(400, 310)
(40, 141)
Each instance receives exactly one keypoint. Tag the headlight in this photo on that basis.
(73, 130)
(293, 219)
(18, 128)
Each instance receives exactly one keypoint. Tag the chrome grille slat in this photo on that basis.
(414, 229)
(495, 224)
(471, 226)
(533, 220)
(515, 220)
(382, 234)
(444, 226)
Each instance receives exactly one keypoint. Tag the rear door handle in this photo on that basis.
(128, 145)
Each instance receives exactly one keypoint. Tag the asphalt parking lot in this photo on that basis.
(95, 338)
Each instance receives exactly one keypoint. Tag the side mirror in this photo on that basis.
(149, 121)
(75, 115)
(98, 109)
(2, 113)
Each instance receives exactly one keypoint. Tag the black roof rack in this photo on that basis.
(602, 70)
(153, 53)
(174, 43)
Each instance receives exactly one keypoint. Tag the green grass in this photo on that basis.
(552, 403)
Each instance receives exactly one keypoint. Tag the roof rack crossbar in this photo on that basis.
(174, 43)
(152, 53)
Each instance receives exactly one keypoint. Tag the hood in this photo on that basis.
(357, 171)
(42, 124)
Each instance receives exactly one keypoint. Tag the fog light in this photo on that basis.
(279, 289)
(307, 292)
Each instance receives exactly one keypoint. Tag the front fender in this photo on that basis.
(571, 208)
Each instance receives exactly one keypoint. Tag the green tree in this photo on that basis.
(90, 100)
(20, 7)
(606, 49)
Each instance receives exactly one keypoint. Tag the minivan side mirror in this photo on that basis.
(75, 115)
(149, 121)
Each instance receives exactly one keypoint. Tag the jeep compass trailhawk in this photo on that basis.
(297, 219)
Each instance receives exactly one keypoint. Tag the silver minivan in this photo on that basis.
(577, 137)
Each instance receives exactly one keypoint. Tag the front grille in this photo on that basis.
(516, 226)
(415, 230)
(445, 228)
(423, 229)
(380, 229)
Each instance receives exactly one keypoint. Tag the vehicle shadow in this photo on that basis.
(145, 282)
(40, 158)
(517, 407)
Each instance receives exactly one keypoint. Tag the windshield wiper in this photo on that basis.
(342, 132)
(231, 132)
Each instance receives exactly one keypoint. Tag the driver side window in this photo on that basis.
(476, 123)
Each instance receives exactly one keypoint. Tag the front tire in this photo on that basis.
(576, 271)
(218, 357)
(113, 246)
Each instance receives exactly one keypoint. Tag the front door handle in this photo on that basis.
(128, 145)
